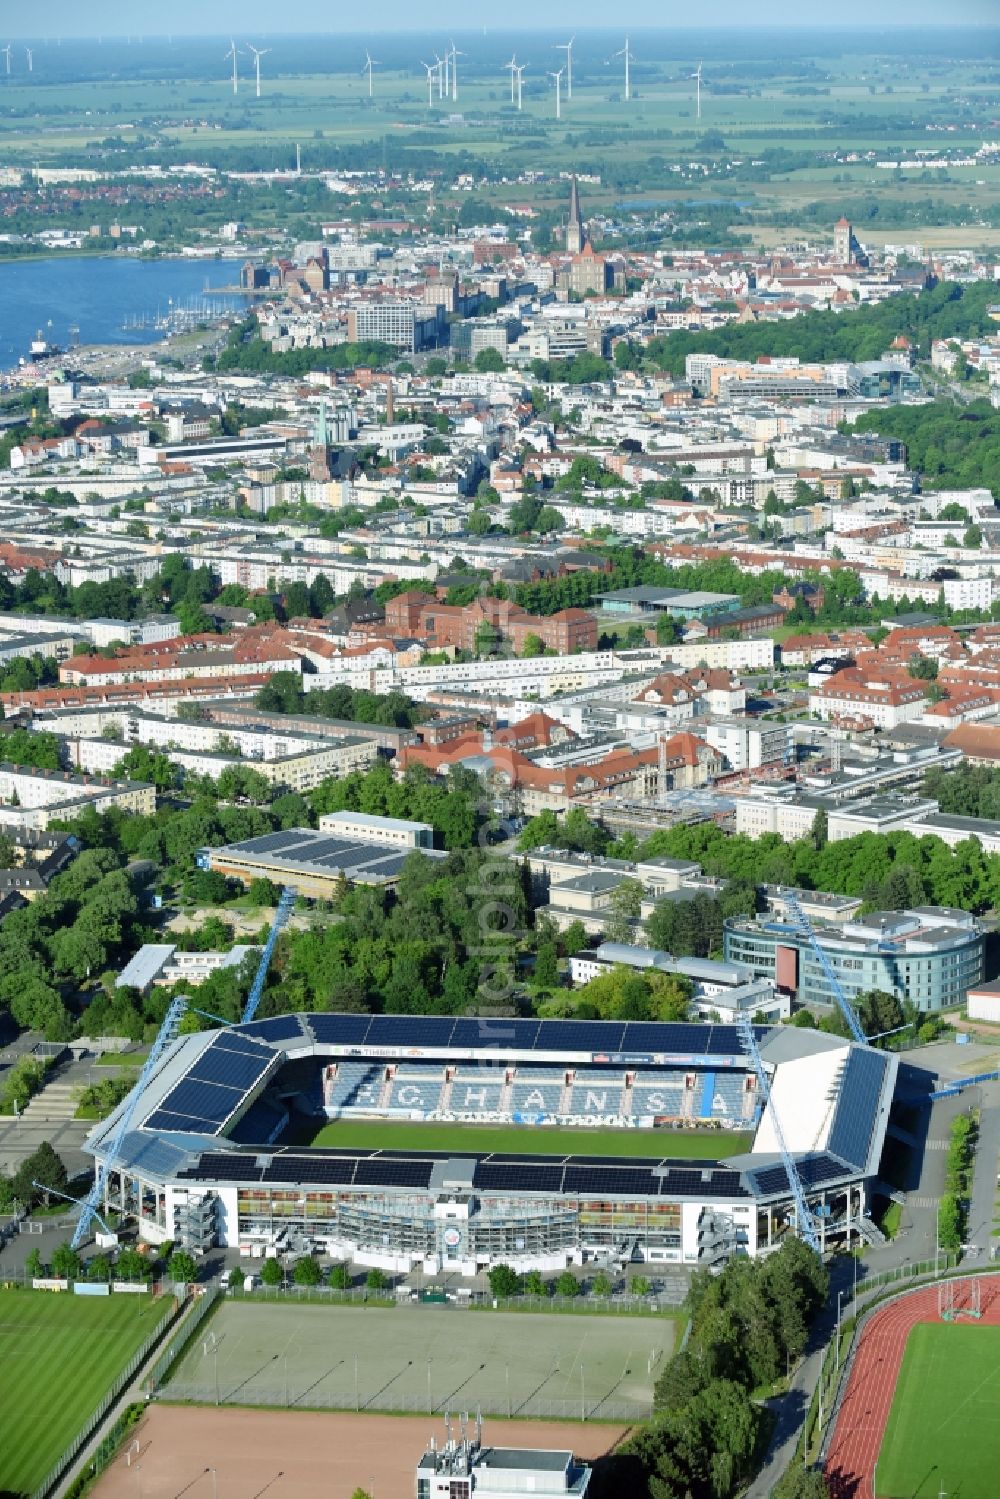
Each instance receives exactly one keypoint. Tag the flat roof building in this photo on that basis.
(311, 862)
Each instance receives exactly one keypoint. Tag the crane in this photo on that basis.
(167, 1033)
(805, 1221)
(801, 923)
(282, 914)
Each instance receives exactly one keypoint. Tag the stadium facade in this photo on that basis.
(206, 1164)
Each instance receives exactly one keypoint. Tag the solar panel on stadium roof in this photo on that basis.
(819, 1169)
(300, 1168)
(517, 1176)
(277, 1028)
(224, 1167)
(613, 1181)
(339, 1030)
(174, 1123)
(724, 1039)
(495, 1033)
(411, 1030)
(376, 1172)
(648, 1035)
(210, 1103)
(771, 1179)
(857, 1103)
(230, 1069)
(579, 1035)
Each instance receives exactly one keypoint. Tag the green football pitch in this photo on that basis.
(522, 1139)
(943, 1433)
(59, 1356)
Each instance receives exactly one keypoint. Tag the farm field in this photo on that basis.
(521, 1139)
(942, 1432)
(60, 1355)
(425, 1359)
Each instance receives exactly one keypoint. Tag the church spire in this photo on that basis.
(575, 235)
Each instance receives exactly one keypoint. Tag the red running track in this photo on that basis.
(864, 1410)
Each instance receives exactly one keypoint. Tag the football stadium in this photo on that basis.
(212, 1156)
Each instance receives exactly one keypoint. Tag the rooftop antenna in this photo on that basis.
(370, 65)
(511, 67)
(455, 55)
(628, 60)
(696, 75)
(232, 53)
(567, 47)
(520, 77)
(430, 68)
(558, 79)
(258, 53)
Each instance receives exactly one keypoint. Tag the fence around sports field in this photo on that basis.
(633, 1306)
(277, 1397)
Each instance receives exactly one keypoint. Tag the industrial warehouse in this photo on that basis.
(202, 1162)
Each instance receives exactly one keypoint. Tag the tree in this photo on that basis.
(65, 1262)
(131, 1265)
(44, 1167)
(377, 1280)
(489, 362)
(340, 1278)
(271, 1272)
(33, 1266)
(533, 645)
(801, 1483)
(574, 939)
(973, 537)
(546, 966)
(307, 1271)
(182, 1267)
(819, 832)
(602, 1284)
(567, 1284)
(625, 908)
(504, 1281)
(534, 1284)
(640, 1286)
(236, 1278)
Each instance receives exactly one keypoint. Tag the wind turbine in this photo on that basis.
(567, 47)
(430, 68)
(628, 59)
(233, 54)
(6, 53)
(519, 70)
(697, 77)
(370, 64)
(558, 79)
(445, 71)
(258, 53)
(455, 55)
(511, 67)
(30, 56)
(439, 64)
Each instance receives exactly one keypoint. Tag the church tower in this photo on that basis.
(575, 235)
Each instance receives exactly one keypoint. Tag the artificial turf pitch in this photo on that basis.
(59, 1356)
(521, 1139)
(943, 1433)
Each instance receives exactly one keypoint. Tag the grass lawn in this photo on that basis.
(943, 1431)
(60, 1355)
(524, 1140)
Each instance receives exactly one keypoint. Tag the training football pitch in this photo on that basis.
(59, 1355)
(943, 1433)
(421, 1359)
(522, 1139)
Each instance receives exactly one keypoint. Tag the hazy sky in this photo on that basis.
(215, 17)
